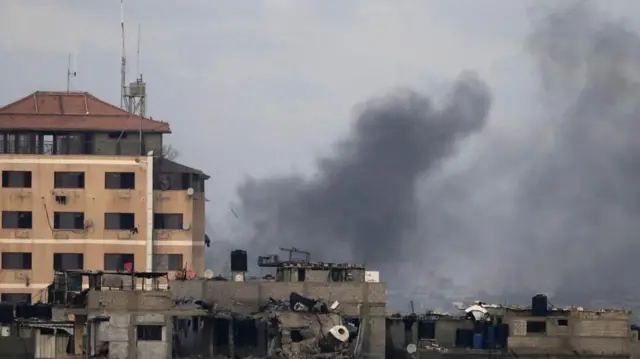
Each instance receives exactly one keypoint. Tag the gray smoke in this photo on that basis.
(362, 202)
(555, 208)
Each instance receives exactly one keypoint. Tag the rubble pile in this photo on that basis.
(305, 327)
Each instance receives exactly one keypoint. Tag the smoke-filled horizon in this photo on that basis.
(556, 210)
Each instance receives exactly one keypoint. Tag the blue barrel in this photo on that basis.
(477, 341)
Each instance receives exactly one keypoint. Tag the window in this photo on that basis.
(167, 221)
(16, 179)
(119, 221)
(15, 298)
(68, 220)
(16, 220)
(68, 261)
(68, 180)
(175, 181)
(118, 135)
(301, 274)
(120, 180)
(149, 332)
(167, 262)
(16, 260)
(536, 327)
(118, 261)
(563, 322)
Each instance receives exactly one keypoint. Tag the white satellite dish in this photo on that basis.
(189, 191)
(411, 348)
(340, 332)
(208, 274)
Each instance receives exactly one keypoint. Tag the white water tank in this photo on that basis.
(372, 276)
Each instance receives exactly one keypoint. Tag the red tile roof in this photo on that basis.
(72, 111)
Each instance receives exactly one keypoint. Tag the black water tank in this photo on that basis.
(539, 305)
(464, 338)
(502, 335)
(6, 313)
(239, 261)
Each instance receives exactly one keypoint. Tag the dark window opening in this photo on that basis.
(68, 261)
(536, 327)
(68, 220)
(149, 332)
(175, 181)
(221, 332)
(120, 180)
(119, 221)
(15, 298)
(167, 221)
(16, 260)
(167, 262)
(245, 332)
(68, 180)
(302, 274)
(426, 330)
(26, 143)
(118, 135)
(16, 179)
(17, 220)
(70, 144)
(563, 322)
(296, 336)
(119, 262)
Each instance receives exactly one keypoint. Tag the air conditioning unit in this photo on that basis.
(21, 234)
(124, 194)
(88, 223)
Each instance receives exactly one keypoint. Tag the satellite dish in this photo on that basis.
(190, 191)
(208, 274)
(340, 332)
(186, 226)
(411, 348)
(165, 183)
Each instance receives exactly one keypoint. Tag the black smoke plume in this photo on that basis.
(361, 204)
(551, 206)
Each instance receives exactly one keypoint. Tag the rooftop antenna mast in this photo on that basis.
(70, 74)
(123, 65)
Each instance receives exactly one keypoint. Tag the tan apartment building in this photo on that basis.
(85, 186)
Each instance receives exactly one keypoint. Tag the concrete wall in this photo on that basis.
(127, 310)
(94, 200)
(587, 332)
(357, 299)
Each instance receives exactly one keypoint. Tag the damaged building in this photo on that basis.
(302, 309)
(538, 330)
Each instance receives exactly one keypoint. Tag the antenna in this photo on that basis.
(69, 73)
(138, 52)
(124, 60)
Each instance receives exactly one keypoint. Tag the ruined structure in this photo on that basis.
(303, 310)
(539, 330)
(352, 303)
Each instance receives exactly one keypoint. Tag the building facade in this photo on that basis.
(85, 185)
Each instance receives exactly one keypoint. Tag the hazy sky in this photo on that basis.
(262, 88)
